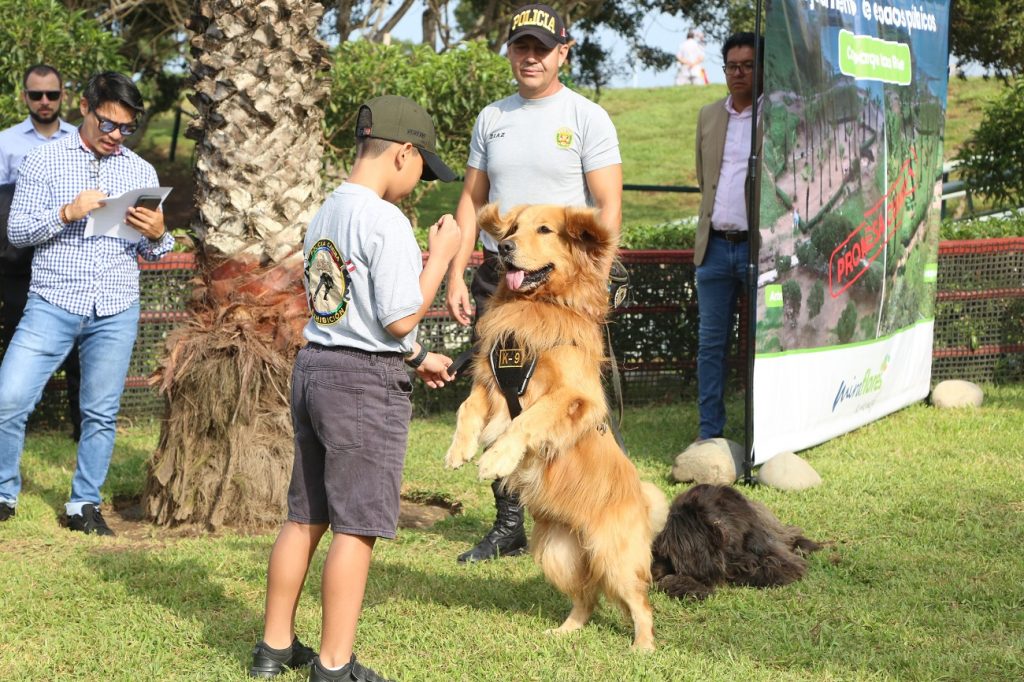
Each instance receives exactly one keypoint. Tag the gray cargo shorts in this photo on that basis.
(350, 413)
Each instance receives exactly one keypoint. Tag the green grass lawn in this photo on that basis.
(922, 580)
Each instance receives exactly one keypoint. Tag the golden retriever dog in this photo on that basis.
(594, 519)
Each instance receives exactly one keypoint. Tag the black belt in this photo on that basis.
(734, 236)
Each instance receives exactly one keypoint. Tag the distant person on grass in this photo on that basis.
(690, 60)
(350, 389)
(84, 289)
(43, 95)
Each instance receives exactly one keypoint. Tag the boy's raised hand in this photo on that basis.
(444, 237)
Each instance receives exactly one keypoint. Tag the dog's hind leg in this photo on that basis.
(561, 557)
(469, 424)
(625, 568)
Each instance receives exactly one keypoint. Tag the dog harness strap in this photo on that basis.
(512, 370)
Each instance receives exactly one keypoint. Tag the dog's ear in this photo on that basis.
(489, 220)
(584, 225)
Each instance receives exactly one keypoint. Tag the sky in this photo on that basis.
(660, 30)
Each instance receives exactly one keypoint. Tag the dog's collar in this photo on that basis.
(512, 369)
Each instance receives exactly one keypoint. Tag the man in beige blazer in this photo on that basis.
(723, 241)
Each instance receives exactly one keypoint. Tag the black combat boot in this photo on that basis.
(507, 536)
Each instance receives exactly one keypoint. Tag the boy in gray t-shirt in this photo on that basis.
(367, 290)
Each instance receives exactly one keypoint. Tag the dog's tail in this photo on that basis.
(657, 506)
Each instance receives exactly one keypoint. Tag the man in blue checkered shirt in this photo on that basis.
(83, 289)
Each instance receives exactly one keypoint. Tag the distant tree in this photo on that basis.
(792, 297)
(1001, 50)
(815, 299)
(847, 324)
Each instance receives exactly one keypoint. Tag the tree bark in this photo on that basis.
(225, 450)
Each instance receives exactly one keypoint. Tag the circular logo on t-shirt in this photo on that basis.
(327, 283)
(563, 138)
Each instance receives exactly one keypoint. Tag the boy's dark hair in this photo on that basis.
(744, 39)
(110, 86)
(41, 70)
(372, 147)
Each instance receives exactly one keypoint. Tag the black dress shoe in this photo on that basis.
(268, 662)
(90, 521)
(6, 511)
(353, 671)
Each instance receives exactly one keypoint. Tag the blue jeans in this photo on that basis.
(42, 340)
(721, 278)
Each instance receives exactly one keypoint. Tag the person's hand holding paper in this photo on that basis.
(129, 216)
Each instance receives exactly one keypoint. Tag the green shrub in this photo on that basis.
(45, 32)
(992, 161)
(1010, 226)
(453, 87)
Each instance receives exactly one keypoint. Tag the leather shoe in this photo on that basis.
(267, 662)
(6, 511)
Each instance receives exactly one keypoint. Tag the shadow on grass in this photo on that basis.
(185, 588)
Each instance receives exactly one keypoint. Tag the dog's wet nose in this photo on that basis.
(506, 247)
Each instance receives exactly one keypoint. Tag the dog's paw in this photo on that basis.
(502, 458)
(457, 455)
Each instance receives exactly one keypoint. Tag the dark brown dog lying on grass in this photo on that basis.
(715, 535)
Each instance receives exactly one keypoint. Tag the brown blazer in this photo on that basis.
(712, 124)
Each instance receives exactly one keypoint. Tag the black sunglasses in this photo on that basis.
(108, 126)
(36, 95)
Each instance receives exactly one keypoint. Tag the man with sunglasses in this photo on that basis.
(84, 289)
(43, 94)
(723, 239)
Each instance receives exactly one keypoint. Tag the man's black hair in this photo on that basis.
(41, 70)
(744, 39)
(110, 86)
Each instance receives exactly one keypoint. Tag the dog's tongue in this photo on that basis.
(514, 279)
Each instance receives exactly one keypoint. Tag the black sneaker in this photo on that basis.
(353, 671)
(90, 521)
(268, 662)
(6, 511)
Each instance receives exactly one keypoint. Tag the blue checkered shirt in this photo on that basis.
(81, 275)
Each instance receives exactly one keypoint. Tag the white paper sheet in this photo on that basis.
(109, 220)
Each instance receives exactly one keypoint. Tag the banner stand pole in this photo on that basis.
(753, 227)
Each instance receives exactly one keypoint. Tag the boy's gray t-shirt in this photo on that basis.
(538, 151)
(362, 268)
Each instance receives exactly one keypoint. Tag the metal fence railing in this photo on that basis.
(979, 326)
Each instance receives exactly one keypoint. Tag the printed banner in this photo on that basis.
(851, 183)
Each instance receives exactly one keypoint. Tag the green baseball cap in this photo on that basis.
(399, 119)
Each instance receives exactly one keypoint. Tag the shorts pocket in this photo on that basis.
(337, 414)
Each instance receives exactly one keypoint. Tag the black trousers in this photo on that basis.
(13, 298)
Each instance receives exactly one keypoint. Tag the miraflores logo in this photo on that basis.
(871, 382)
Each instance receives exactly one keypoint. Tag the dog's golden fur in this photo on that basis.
(594, 518)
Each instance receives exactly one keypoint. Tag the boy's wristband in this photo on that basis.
(417, 360)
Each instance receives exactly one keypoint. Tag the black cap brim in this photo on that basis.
(434, 168)
(545, 37)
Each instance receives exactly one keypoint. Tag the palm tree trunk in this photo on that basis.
(225, 448)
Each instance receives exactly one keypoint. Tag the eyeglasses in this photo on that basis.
(36, 95)
(108, 126)
(732, 68)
